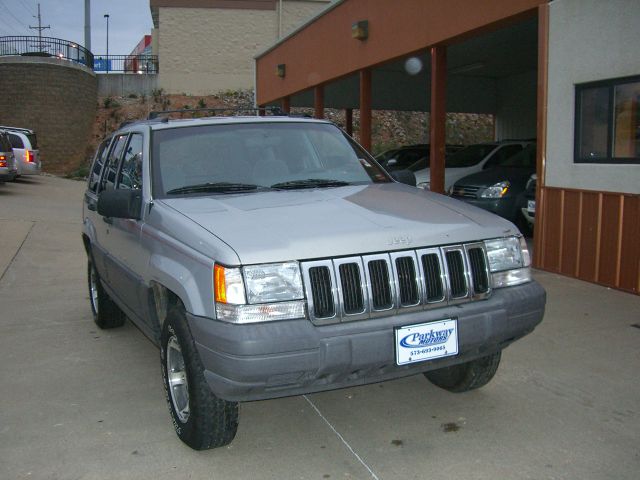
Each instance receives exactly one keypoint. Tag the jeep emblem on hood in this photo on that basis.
(400, 241)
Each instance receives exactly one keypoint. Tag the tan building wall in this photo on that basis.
(297, 12)
(206, 50)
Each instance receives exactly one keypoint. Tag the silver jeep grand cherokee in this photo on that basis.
(272, 256)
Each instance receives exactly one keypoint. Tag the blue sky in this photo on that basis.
(129, 20)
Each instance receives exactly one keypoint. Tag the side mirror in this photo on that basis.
(392, 162)
(404, 176)
(123, 203)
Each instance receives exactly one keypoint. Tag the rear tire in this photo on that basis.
(466, 376)
(106, 314)
(201, 420)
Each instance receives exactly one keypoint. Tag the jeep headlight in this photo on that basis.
(509, 261)
(273, 282)
(259, 293)
(497, 190)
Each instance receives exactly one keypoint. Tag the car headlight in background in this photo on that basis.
(424, 185)
(259, 293)
(509, 261)
(497, 190)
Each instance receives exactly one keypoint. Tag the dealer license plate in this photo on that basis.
(426, 341)
(531, 206)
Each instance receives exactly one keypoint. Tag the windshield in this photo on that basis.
(470, 156)
(526, 158)
(232, 158)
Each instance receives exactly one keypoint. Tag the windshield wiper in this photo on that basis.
(309, 183)
(217, 187)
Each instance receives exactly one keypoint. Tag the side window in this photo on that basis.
(16, 141)
(98, 162)
(131, 171)
(5, 144)
(111, 167)
(502, 154)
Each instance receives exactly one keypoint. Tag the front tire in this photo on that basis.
(201, 420)
(106, 314)
(466, 376)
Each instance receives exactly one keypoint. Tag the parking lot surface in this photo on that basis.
(80, 403)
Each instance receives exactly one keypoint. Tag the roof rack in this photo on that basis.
(16, 129)
(261, 110)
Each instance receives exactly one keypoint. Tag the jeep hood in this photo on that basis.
(318, 223)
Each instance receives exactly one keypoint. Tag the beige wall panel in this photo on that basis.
(295, 13)
(205, 50)
(589, 40)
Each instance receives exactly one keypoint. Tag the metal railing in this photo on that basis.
(68, 50)
(126, 63)
(46, 47)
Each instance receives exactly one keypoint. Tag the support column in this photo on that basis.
(286, 104)
(365, 109)
(348, 120)
(438, 117)
(539, 243)
(318, 101)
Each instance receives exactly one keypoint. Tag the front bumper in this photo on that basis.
(277, 359)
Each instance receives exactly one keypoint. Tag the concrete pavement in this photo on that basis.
(80, 403)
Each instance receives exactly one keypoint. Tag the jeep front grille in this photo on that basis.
(353, 288)
(380, 284)
(320, 281)
(351, 292)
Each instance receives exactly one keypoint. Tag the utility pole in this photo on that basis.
(87, 24)
(39, 28)
(106, 15)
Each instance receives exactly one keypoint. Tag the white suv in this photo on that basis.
(25, 149)
(472, 159)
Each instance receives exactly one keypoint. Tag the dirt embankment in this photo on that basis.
(390, 129)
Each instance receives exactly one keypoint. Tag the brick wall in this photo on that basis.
(55, 98)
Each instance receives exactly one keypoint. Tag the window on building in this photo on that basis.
(608, 121)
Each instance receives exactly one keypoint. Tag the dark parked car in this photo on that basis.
(528, 207)
(410, 157)
(500, 189)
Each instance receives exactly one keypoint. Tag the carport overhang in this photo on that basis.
(460, 43)
(323, 51)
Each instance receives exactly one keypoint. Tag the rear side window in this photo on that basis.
(5, 146)
(111, 167)
(33, 140)
(130, 176)
(98, 162)
(16, 141)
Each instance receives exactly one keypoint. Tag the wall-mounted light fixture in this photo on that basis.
(281, 70)
(360, 29)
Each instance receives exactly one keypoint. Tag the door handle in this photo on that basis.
(108, 220)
